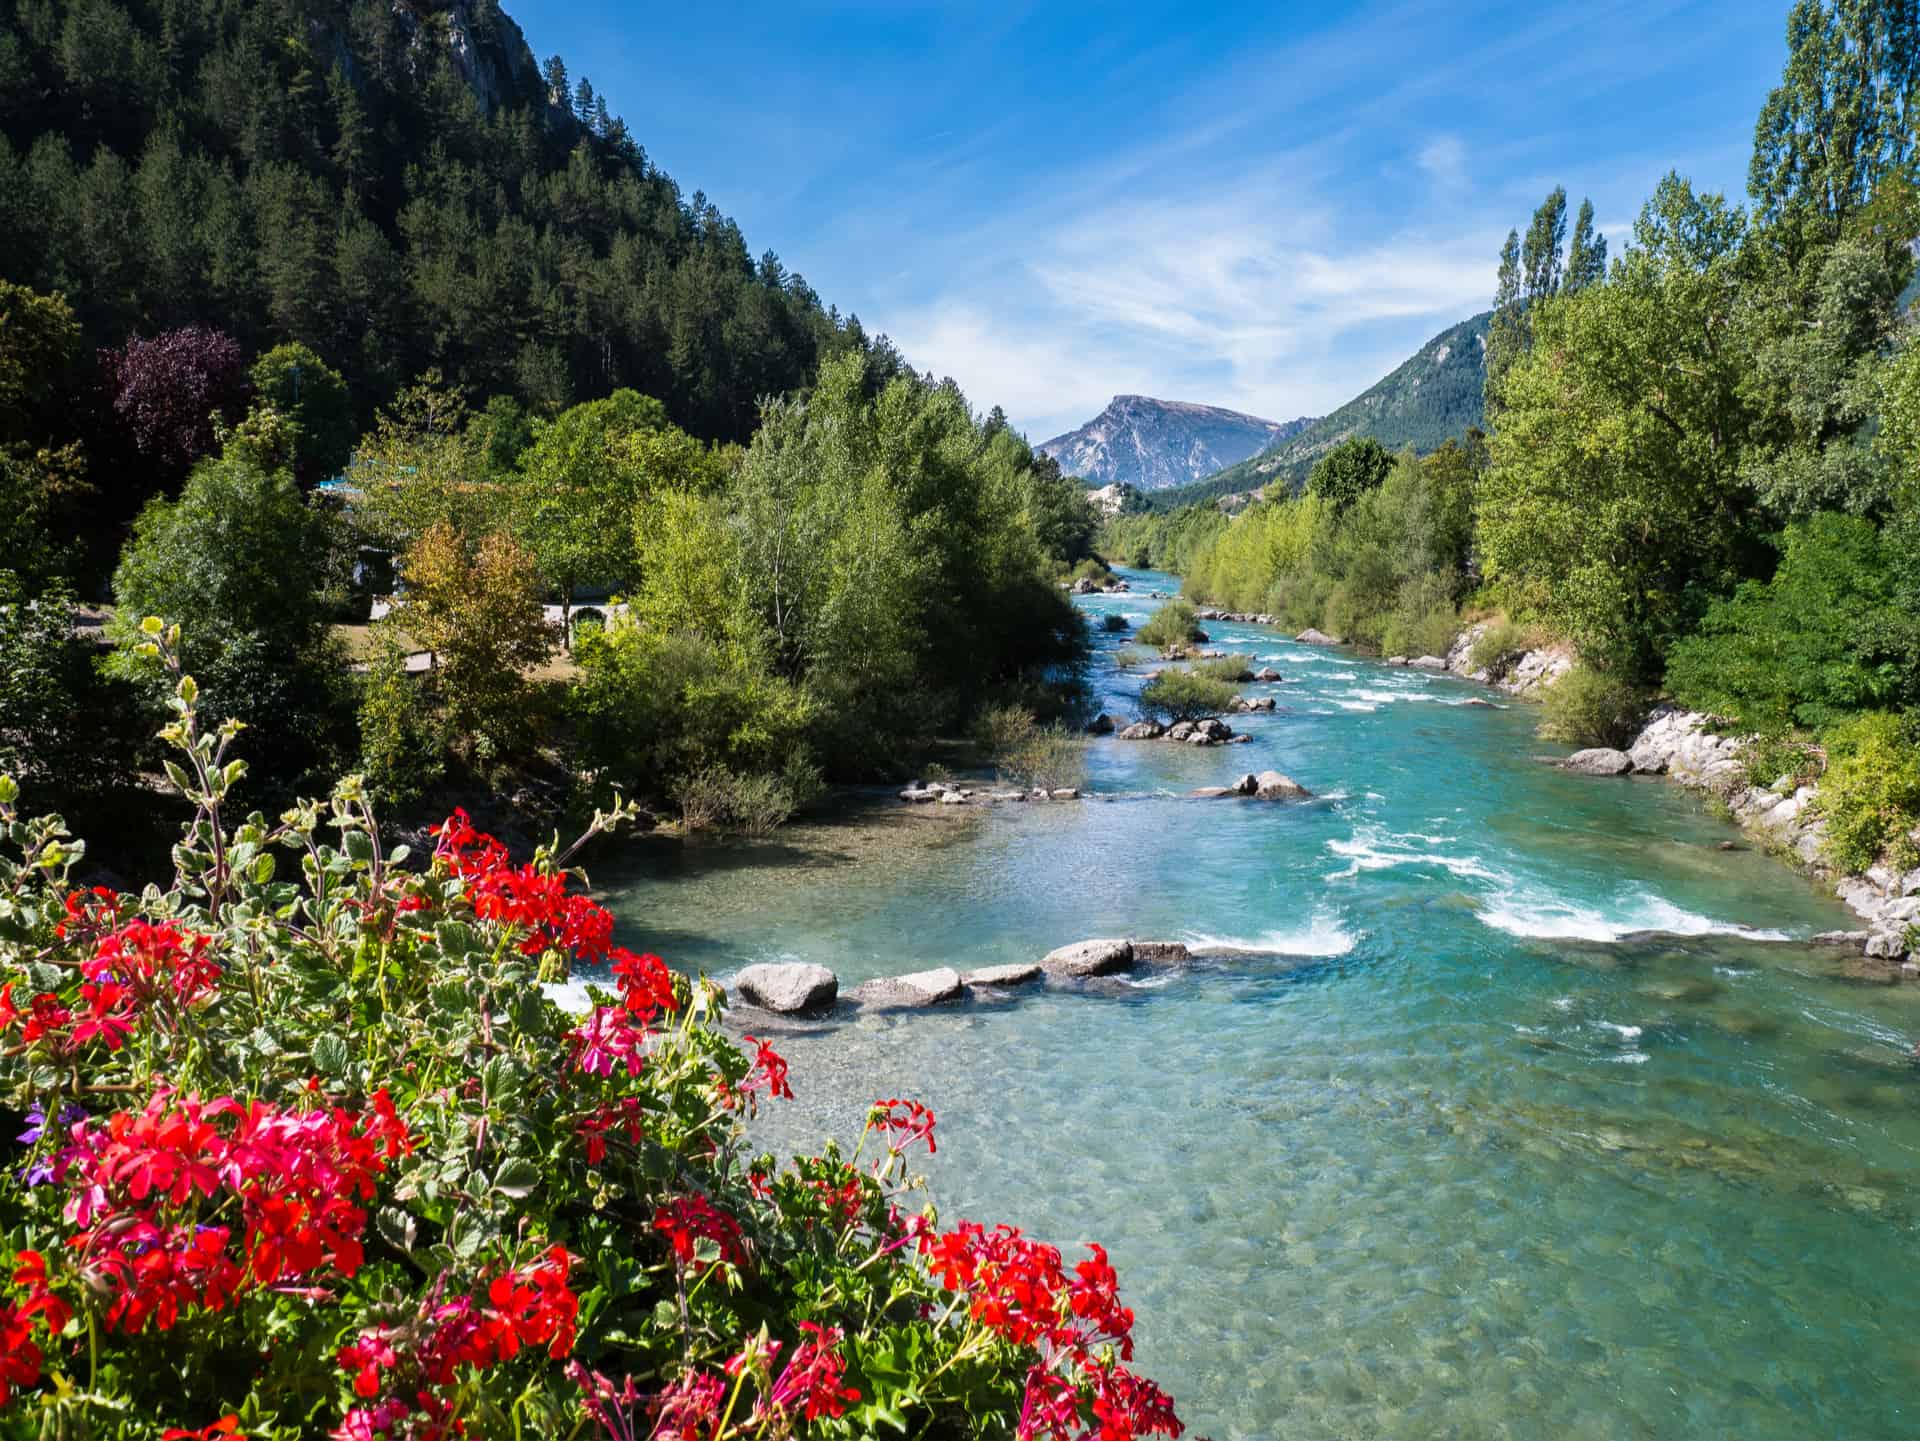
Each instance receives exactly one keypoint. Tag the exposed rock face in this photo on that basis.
(1153, 444)
(788, 987)
(916, 989)
(1018, 973)
(1680, 745)
(1520, 673)
(1598, 761)
(1089, 958)
(1273, 786)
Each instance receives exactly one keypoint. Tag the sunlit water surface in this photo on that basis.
(1455, 1146)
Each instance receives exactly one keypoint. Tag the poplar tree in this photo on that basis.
(1586, 252)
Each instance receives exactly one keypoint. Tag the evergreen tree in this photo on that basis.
(1540, 252)
(1586, 252)
(1841, 121)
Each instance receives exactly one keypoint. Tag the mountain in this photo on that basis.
(1434, 395)
(398, 184)
(1153, 444)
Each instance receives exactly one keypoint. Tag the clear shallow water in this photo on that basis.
(1456, 1147)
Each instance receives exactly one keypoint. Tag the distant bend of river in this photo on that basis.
(1454, 1146)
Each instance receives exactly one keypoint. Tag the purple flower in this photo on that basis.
(40, 1172)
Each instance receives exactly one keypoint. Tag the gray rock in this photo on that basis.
(919, 988)
(1884, 877)
(1239, 740)
(1213, 728)
(1065, 793)
(1089, 958)
(1180, 731)
(1889, 944)
(1311, 637)
(1267, 673)
(1143, 731)
(1395, 661)
(1839, 938)
(1910, 883)
(1247, 785)
(920, 795)
(1162, 951)
(1273, 786)
(1101, 725)
(1428, 663)
(788, 986)
(953, 798)
(1018, 973)
(1598, 761)
(1211, 793)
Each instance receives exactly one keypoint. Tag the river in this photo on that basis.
(1520, 1112)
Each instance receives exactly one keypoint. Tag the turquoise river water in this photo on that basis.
(1508, 1105)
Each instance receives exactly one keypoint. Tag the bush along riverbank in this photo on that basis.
(304, 1146)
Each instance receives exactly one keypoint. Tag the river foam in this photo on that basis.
(1542, 916)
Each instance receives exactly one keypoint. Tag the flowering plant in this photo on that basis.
(306, 1143)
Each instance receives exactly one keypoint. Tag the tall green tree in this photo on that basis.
(1841, 122)
(1586, 251)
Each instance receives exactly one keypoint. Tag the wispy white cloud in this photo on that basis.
(1444, 158)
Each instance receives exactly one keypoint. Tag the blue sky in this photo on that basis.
(1259, 206)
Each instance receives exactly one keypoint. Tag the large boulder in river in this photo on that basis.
(918, 988)
(788, 986)
(1267, 673)
(1101, 725)
(1598, 761)
(1180, 731)
(1143, 731)
(1248, 785)
(1273, 786)
(1311, 637)
(1089, 958)
(1208, 731)
(1428, 663)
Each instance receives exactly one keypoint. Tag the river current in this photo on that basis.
(1508, 1104)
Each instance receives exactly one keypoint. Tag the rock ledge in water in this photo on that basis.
(919, 988)
(1017, 973)
(1273, 786)
(788, 987)
(1089, 958)
(1598, 761)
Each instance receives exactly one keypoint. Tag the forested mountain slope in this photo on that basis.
(396, 183)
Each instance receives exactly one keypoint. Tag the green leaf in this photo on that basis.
(358, 846)
(516, 1178)
(396, 1226)
(330, 1054)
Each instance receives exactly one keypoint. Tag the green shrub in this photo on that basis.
(1113, 622)
(1128, 656)
(403, 747)
(755, 802)
(1772, 755)
(1225, 668)
(1590, 707)
(1870, 795)
(1174, 624)
(1185, 696)
(1026, 753)
(1499, 646)
(1092, 569)
(1425, 622)
(1826, 637)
